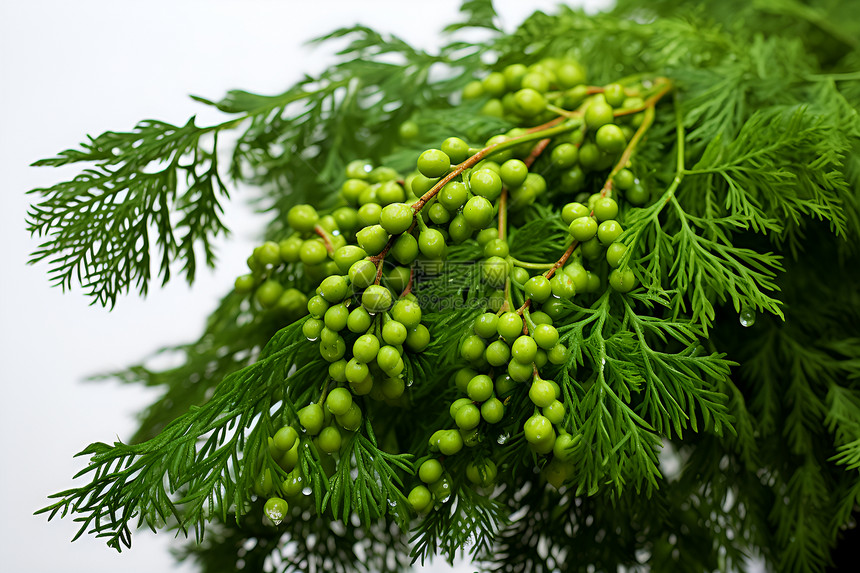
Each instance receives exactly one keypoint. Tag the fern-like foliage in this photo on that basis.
(701, 439)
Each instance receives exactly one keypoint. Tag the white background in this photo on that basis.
(73, 68)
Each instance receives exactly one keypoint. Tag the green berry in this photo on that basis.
(382, 174)
(289, 249)
(624, 179)
(486, 236)
(554, 412)
(329, 440)
(368, 214)
(481, 473)
(535, 81)
(351, 420)
(453, 195)
(610, 139)
(312, 328)
(593, 284)
(473, 90)
(420, 498)
(269, 293)
(408, 130)
(564, 155)
(358, 169)
(605, 209)
(285, 438)
(485, 183)
(538, 288)
(313, 252)
(438, 214)
(597, 114)
(431, 243)
(302, 218)
(614, 94)
(609, 231)
(497, 248)
(494, 271)
(480, 388)
(520, 372)
(510, 325)
(405, 249)
(468, 417)
(418, 338)
(637, 195)
(345, 256)
(622, 280)
(311, 418)
(529, 102)
(537, 428)
(336, 317)
(504, 385)
(434, 163)
(269, 253)
(317, 306)
(541, 393)
(497, 353)
(492, 410)
(276, 509)
(389, 360)
(430, 471)
(394, 332)
(376, 299)
(583, 228)
(407, 312)
(563, 447)
(614, 253)
(572, 211)
(562, 286)
(334, 288)
(459, 229)
(396, 218)
(486, 324)
(519, 275)
(450, 443)
(472, 348)
(523, 349)
(478, 212)
(359, 320)
(545, 336)
(456, 149)
(352, 189)
(462, 378)
(557, 354)
(372, 239)
(338, 401)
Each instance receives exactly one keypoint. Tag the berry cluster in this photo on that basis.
(365, 321)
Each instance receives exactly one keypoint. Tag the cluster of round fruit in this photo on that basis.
(595, 228)
(453, 213)
(364, 320)
(498, 342)
(520, 93)
(600, 145)
(312, 245)
(533, 94)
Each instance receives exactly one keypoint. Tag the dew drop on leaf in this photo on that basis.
(747, 317)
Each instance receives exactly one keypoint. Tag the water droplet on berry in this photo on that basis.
(747, 317)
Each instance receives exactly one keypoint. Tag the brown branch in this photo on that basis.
(408, 288)
(473, 160)
(326, 240)
(548, 274)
